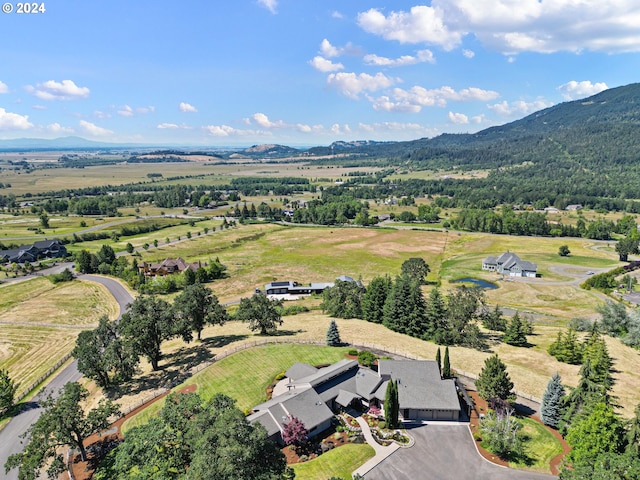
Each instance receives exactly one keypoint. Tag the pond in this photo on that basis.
(477, 283)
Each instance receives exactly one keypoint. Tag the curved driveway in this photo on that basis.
(444, 452)
(10, 436)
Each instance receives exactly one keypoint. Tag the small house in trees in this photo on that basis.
(168, 266)
(510, 264)
(313, 394)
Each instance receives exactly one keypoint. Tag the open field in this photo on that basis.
(45, 180)
(39, 323)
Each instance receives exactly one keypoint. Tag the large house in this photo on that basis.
(294, 288)
(34, 252)
(510, 264)
(314, 394)
(168, 266)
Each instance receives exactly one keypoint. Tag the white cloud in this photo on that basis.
(13, 121)
(52, 90)
(351, 84)
(458, 118)
(263, 121)
(170, 126)
(479, 118)
(93, 129)
(323, 65)
(420, 24)
(421, 56)
(187, 107)
(330, 51)
(39, 107)
(227, 131)
(126, 111)
(4, 88)
(512, 26)
(519, 107)
(59, 129)
(417, 97)
(336, 14)
(148, 109)
(468, 53)
(100, 114)
(270, 5)
(575, 90)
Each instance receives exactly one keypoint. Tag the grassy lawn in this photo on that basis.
(246, 375)
(39, 323)
(339, 462)
(540, 447)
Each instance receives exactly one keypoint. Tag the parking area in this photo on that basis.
(444, 452)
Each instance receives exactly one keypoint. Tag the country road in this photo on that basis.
(10, 436)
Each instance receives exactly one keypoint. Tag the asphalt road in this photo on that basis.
(444, 452)
(10, 436)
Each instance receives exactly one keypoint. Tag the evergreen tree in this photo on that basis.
(514, 334)
(439, 360)
(566, 348)
(633, 433)
(595, 350)
(494, 381)
(374, 299)
(333, 335)
(552, 399)
(436, 312)
(446, 367)
(494, 320)
(391, 405)
(397, 309)
(7, 391)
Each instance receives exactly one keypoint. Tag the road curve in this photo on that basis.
(10, 436)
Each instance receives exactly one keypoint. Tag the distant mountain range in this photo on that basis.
(605, 126)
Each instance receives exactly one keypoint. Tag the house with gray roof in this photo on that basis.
(313, 394)
(32, 253)
(289, 287)
(510, 264)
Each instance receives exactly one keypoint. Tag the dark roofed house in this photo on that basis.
(31, 253)
(313, 393)
(510, 264)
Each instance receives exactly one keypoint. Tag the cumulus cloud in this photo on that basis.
(531, 25)
(263, 121)
(337, 14)
(323, 65)
(519, 107)
(351, 84)
(52, 90)
(59, 129)
(458, 118)
(511, 27)
(331, 51)
(270, 5)
(575, 90)
(468, 53)
(13, 121)
(126, 111)
(417, 97)
(420, 57)
(4, 88)
(101, 114)
(187, 107)
(167, 126)
(227, 131)
(93, 129)
(422, 24)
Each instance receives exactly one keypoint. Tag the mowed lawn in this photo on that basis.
(39, 323)
(245, 375)
(339, 462)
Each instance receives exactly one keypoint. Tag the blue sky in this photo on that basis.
(303, 72)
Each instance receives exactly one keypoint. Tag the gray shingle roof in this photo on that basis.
(300, 370)
(419, 384)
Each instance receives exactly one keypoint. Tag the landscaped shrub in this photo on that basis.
(366, 358)
(353, 352)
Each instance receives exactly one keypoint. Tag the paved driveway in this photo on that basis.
(444, 452)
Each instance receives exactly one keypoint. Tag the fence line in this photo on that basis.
(42, 378)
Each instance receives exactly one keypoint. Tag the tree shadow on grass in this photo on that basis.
(222, 340)
(281, 333)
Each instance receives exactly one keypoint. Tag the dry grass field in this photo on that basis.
(39, 323)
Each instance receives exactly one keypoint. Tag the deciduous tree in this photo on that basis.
(62, 422)
(196, 307)
(416, 269)
(294, 432)
(262, 313)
